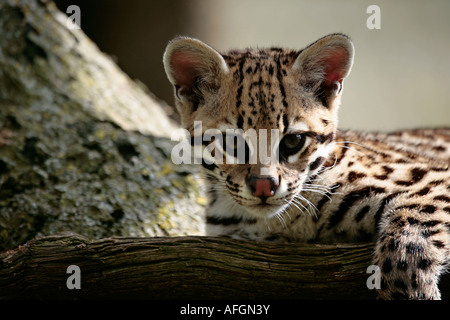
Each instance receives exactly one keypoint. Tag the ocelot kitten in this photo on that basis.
(327, 185)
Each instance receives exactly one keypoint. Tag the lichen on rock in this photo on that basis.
(81, 150)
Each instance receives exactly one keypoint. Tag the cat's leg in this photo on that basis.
(412, 252)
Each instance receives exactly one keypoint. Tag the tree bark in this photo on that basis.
(184, 268)
(188, 268)
(83, 148)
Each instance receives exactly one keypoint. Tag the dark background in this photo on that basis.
(134, 33)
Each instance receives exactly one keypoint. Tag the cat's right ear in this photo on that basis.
(193, 67)
(324, 65)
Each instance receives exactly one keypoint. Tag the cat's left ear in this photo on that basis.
(324, 65)
(193, 67)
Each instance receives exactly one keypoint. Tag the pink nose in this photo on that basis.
(263, 187)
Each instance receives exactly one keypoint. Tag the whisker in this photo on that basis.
(350, 142)
(317, 186)
(324, 193)
(298, 198)
(350, 148)
(281, 219)
(293, 203)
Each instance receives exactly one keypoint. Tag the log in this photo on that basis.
(184, 268)
(187, 268)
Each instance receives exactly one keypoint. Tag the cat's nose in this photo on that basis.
(262, 187)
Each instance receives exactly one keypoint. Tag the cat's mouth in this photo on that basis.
(263, 206)
(266, 210)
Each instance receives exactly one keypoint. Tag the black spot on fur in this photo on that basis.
(240, 122)
(387, 266)
(381, 176)
(438, 244)
(393, 244)
(388, 170)
(400, 284)
(238, 97)
(207, 166)
(417, 174)
(422, 192)
(348, 202)
(223, 220)
(429, 233)
(281, 85)
(424, 264)
(360, 215)
(316, 163)
(353, 175)
(412, 221)
(430, 223)
(285, 122)
(442, 198)
(429, 209)
(402, 265)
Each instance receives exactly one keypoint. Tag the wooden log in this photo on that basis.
(184, 268)
(187, 268)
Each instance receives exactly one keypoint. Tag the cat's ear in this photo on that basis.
(323, 66)
(193, 67)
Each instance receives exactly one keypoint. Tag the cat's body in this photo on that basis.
(326, 185)
(361, 178)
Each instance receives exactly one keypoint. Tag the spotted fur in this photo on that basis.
(340, 186)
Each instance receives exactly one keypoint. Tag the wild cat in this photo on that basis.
(326, 185)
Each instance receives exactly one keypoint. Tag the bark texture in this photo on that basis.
(184, 268)
(83, 148)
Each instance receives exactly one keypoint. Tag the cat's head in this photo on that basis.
(272, 114)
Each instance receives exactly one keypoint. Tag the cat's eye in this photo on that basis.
(291, 144)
